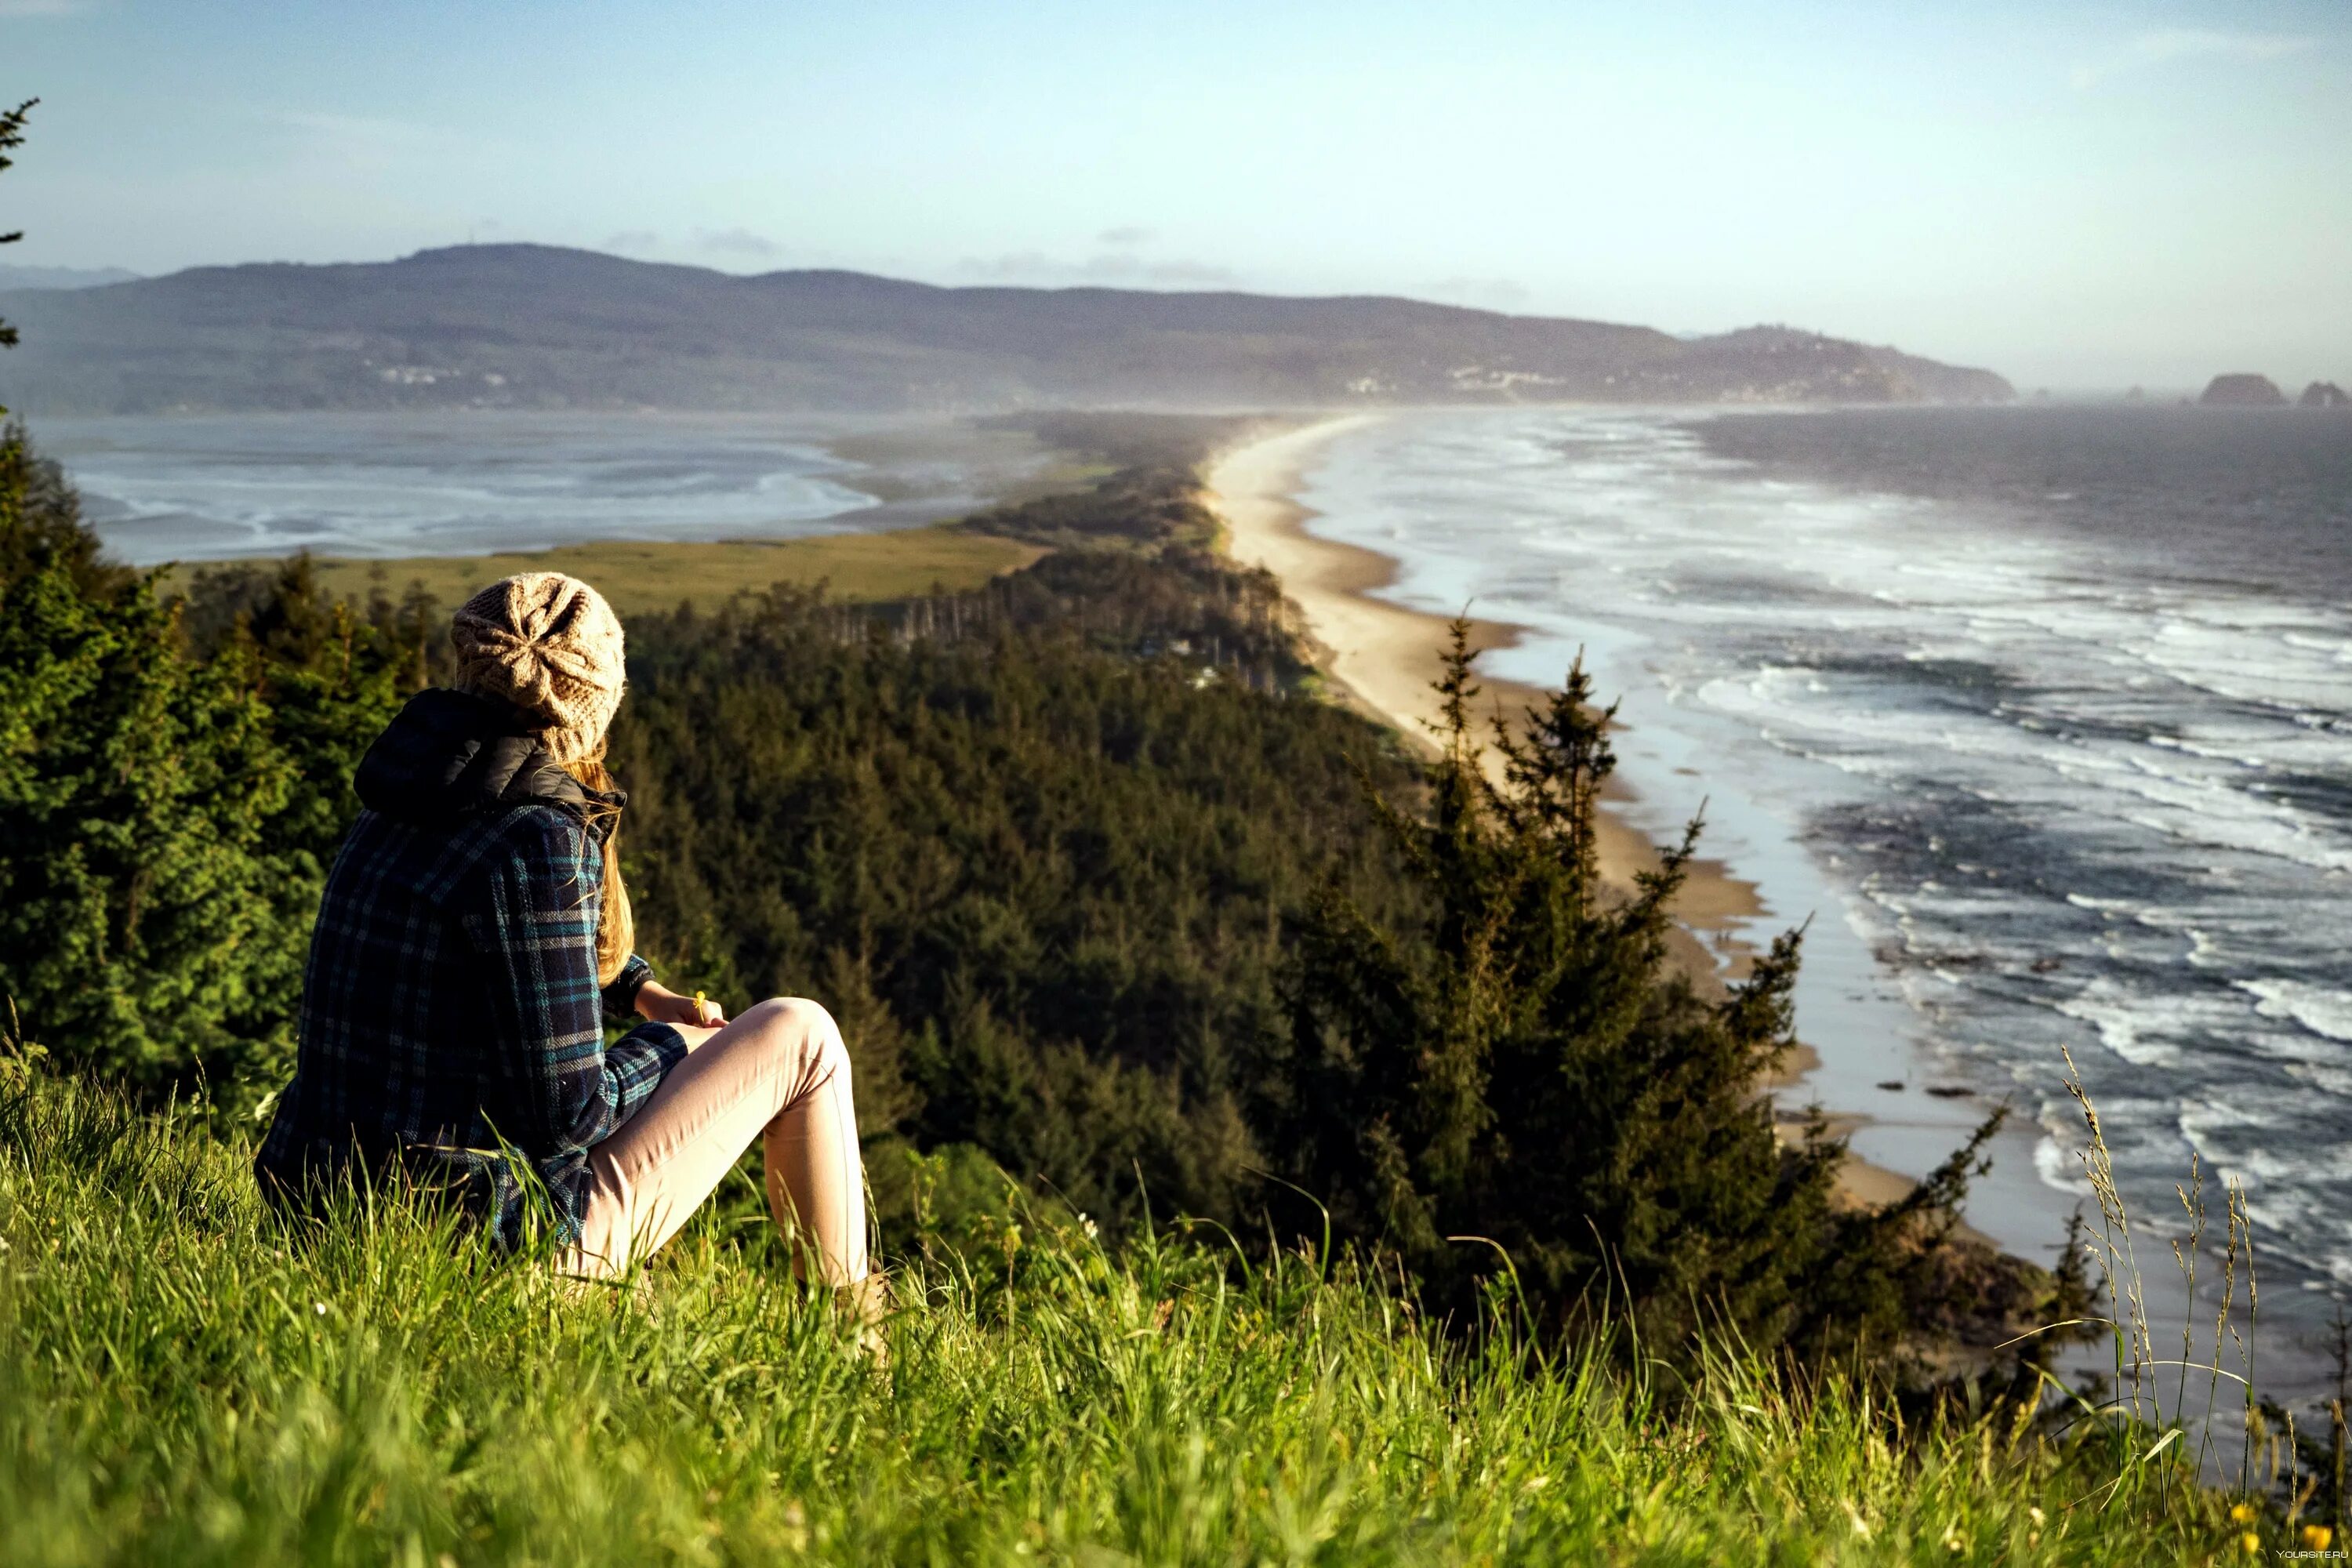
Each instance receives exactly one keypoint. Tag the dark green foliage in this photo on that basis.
(137, 920)
(41, 523)
(1135, 508)
(1185, 604)
(1151, 499)
(1519, 1067)
(1039, 871)
(12, 135)
(332, 675)
(169, 809)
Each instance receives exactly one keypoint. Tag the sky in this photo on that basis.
(2077, 195)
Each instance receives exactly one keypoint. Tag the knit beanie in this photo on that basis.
(549, 646)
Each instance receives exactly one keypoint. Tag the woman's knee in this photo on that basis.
(801, 1029)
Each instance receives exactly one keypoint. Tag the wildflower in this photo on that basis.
(795, 1526)
(2252, 1542)
(319, 1308)
(2243, 1513)
(1087, 1224)
(2318, 1537)
(2037, 1515)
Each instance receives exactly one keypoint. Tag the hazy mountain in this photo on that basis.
(534, 326)
(14, 278)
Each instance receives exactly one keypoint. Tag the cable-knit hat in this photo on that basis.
(549, 646)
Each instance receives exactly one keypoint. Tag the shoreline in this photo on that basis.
(1379, 658)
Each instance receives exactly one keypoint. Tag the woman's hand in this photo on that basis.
(659, 1004)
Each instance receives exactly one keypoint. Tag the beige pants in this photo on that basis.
(778, 1073)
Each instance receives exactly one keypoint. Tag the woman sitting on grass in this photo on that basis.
(473, 923)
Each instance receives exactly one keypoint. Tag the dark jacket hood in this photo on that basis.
(447, 755)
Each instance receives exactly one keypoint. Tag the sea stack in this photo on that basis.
(2244, 390)
(2325, 394)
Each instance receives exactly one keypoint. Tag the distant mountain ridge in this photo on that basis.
(542, 327)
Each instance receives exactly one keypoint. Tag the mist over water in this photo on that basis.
(2045, 715)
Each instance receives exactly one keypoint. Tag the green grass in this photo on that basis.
(641, 576)
(178, 1383)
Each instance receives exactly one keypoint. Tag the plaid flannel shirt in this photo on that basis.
(451, 1007)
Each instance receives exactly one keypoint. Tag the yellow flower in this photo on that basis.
(2243, 1513)
(2251, 1541)
(2317, 1536)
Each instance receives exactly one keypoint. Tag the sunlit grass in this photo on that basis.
(179, 1384)
(645, 577)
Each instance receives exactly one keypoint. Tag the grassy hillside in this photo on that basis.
(182, 1382)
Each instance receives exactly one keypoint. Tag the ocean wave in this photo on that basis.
(2324, 1012)
(2127, 1025)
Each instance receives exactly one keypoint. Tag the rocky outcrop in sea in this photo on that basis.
(2244, 390)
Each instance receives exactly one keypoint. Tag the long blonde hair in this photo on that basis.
(616, 927)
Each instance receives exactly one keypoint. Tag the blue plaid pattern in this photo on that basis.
(451, 1007)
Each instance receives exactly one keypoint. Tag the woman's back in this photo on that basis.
(474, 936)
(451, 1001)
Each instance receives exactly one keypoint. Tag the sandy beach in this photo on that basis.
(1381, 658)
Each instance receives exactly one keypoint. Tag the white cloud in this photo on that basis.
(2170, 44)
(44, 7)
(631, 239)
(738, 241)
(1124, 234)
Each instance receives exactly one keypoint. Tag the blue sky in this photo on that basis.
(2078, 195)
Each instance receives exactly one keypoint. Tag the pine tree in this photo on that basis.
(11, 136)
(1524, 1068)
(133, 791)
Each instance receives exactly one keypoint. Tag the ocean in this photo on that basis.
(468, 483)
(2041, 716)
